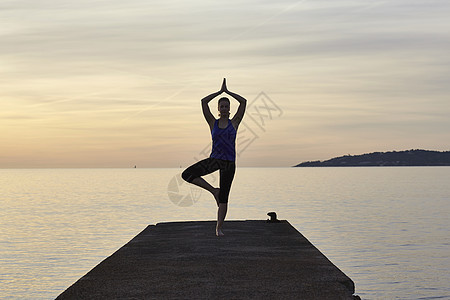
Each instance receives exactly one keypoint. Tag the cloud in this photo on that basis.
(109, 69)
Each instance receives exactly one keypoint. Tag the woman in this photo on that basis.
(223, 153)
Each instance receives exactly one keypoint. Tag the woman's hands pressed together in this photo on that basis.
(224, 88)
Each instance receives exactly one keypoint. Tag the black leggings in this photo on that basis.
(209, 165)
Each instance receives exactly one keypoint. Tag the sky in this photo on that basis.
(118, 83)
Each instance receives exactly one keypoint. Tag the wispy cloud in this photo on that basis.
(97, 66)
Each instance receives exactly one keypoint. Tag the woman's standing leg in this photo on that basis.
(221, 214)
(226, 178)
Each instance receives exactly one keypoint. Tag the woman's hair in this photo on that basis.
(224, 99)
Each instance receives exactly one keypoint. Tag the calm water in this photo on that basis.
(386, 228)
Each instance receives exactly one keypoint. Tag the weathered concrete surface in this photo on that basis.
(185, 260)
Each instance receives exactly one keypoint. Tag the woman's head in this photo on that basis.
(224, 107)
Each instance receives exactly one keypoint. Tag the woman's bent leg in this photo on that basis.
(193, 175)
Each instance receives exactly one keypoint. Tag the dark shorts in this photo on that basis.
(209, 165)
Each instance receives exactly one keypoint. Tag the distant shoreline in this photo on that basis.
(407, 158)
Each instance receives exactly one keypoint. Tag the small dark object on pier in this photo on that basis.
(273, 217)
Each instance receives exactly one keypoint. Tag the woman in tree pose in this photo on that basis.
(223, 153)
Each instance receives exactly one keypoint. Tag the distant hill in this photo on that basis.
(394, 158)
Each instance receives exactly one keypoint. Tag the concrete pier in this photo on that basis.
(185, 260)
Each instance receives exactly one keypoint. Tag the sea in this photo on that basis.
(387, 228)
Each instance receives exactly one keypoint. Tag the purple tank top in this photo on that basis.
(223, 142)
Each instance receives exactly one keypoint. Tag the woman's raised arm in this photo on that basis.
(206, 111)
(237, 118)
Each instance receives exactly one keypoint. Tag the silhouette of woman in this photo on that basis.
(223, 153)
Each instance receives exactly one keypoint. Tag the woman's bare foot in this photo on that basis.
(216, 195)
(219, 232)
